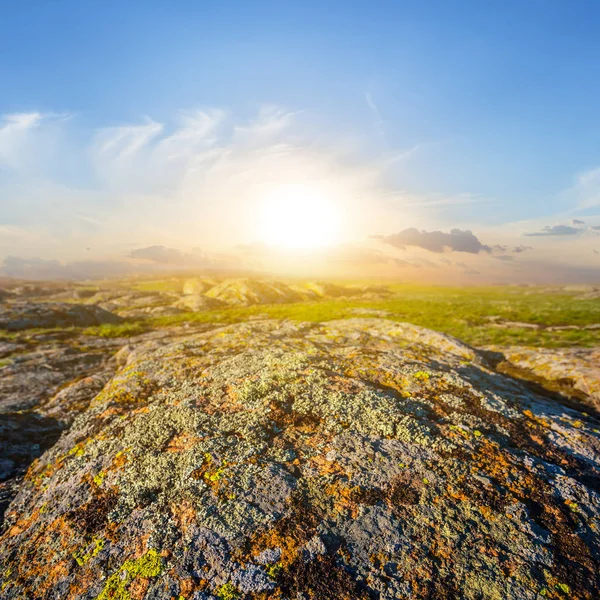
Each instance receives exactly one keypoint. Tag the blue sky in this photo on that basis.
(495, 101)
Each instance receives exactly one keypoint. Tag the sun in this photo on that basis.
(299, 216)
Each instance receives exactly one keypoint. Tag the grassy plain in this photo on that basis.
(477, 315)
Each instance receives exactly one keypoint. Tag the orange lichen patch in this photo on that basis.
(288, 545)
(537, 439)
(289, 533)
(211, 473)
(497, 463)
(539, 420)
(369, 369)
(486, 511)
(120, 459)
(184, 514)
(111, 411)
(223, 406)
(86, 579)
(344, 498)
(23, 524)
(456, 494)
(48, 566)
(181, 442)
(186, 588)
(38, 472)
(344, 384)
(138, 588)
(326, 467)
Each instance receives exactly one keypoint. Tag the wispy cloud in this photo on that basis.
(120, 143)
(378, 121)
(201, 178)
(199, 181)
(585, 193)
(15, 136)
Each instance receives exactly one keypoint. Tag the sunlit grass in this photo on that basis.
(127, 329)
(159, 285)
(461, 312)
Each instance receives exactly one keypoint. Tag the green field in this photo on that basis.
(465, 312)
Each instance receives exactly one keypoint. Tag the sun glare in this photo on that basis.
(300, 217)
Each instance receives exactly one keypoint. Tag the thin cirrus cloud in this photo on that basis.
(210, 168)
(197, 181)
(17, 138)
(586, 190)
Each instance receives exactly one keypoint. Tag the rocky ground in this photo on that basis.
(362, 458)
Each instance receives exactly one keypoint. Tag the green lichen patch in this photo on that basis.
(228, 592)
(82, 556)
(117, 586)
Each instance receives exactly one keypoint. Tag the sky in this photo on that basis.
(186, 124)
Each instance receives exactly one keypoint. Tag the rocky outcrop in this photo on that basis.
(354, 459)
(34, 373)
(38, 290)
(27, 315)
(245, 292)
(45, 382)
(197, 286)
(198, 303)
(573, 371)
(133, 304)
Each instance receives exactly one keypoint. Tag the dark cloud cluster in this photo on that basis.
(556, 230)
(458, 240)
(516, 250)
(577, 227)
(504, 257)
(519, 249)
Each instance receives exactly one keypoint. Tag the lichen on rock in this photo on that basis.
(260, 460)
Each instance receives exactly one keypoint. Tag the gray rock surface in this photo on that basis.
(16, 316)
(354, 459)
(575, 371)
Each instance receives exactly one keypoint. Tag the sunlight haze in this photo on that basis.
(228, 126)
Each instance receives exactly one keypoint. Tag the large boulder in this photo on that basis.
(198, 303)
(28, 315)
(43, 386)
(246, 291)
(574, 371)
(196, 286)
(354, 459)
(325, 289)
